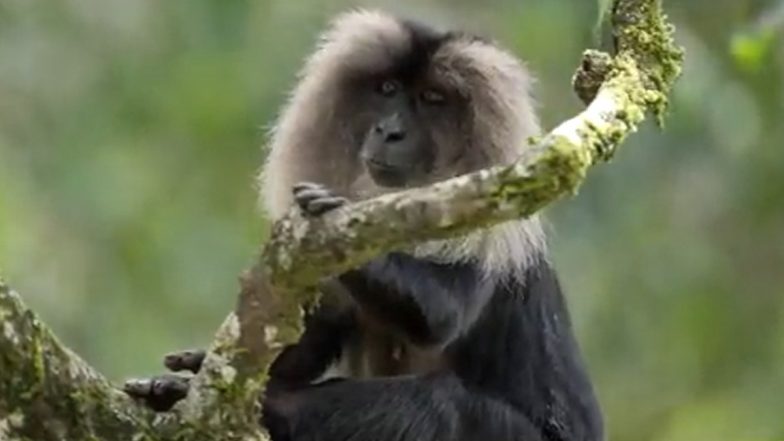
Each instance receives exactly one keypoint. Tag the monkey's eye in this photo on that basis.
(387, 88)
(433, 97)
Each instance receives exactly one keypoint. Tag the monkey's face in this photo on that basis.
(409, 131)
(385, 104)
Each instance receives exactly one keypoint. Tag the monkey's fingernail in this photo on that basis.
(185, 360)
(304, 186)
(169, 385)
(321, 206)
(137, 387)
(313, 194)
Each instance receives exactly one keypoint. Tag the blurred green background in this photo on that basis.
(130, 132)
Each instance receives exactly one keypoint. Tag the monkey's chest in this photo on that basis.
(378, 352)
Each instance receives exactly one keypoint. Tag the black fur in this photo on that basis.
(509, 367)
(513, 372)
(425, 41)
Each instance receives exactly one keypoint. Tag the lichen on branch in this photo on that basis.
(636, 80)
(49, 393)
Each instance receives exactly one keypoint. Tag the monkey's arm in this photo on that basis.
(409, 408)
(299, 364)
(428, 301)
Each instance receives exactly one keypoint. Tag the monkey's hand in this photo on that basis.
(315, 199)
(162, 392)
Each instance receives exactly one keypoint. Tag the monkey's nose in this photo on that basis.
(394, 135)
(390, 133)
(391, 129)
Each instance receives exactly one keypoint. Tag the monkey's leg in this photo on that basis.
(412, 408)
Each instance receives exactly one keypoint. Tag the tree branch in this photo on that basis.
(36, 371)
(42, 381)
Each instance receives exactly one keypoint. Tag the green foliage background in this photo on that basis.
(130, 132)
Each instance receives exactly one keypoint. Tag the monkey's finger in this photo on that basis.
(300, 186)
(162, 385)
(190, 360)
(160, 393)
(306, 196)
(321, 206)
(170, 385)
(138, 387)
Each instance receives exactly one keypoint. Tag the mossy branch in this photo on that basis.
(41, 382)
(47, 392)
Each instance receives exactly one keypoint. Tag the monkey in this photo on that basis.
(458, 339)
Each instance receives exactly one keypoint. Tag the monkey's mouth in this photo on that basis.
(386, 175)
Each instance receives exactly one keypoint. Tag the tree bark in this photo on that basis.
(48, 393)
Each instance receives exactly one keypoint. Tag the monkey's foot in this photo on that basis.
(315, 199)
(159, 393)
(162, 392)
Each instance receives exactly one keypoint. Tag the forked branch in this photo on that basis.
(48, 393)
